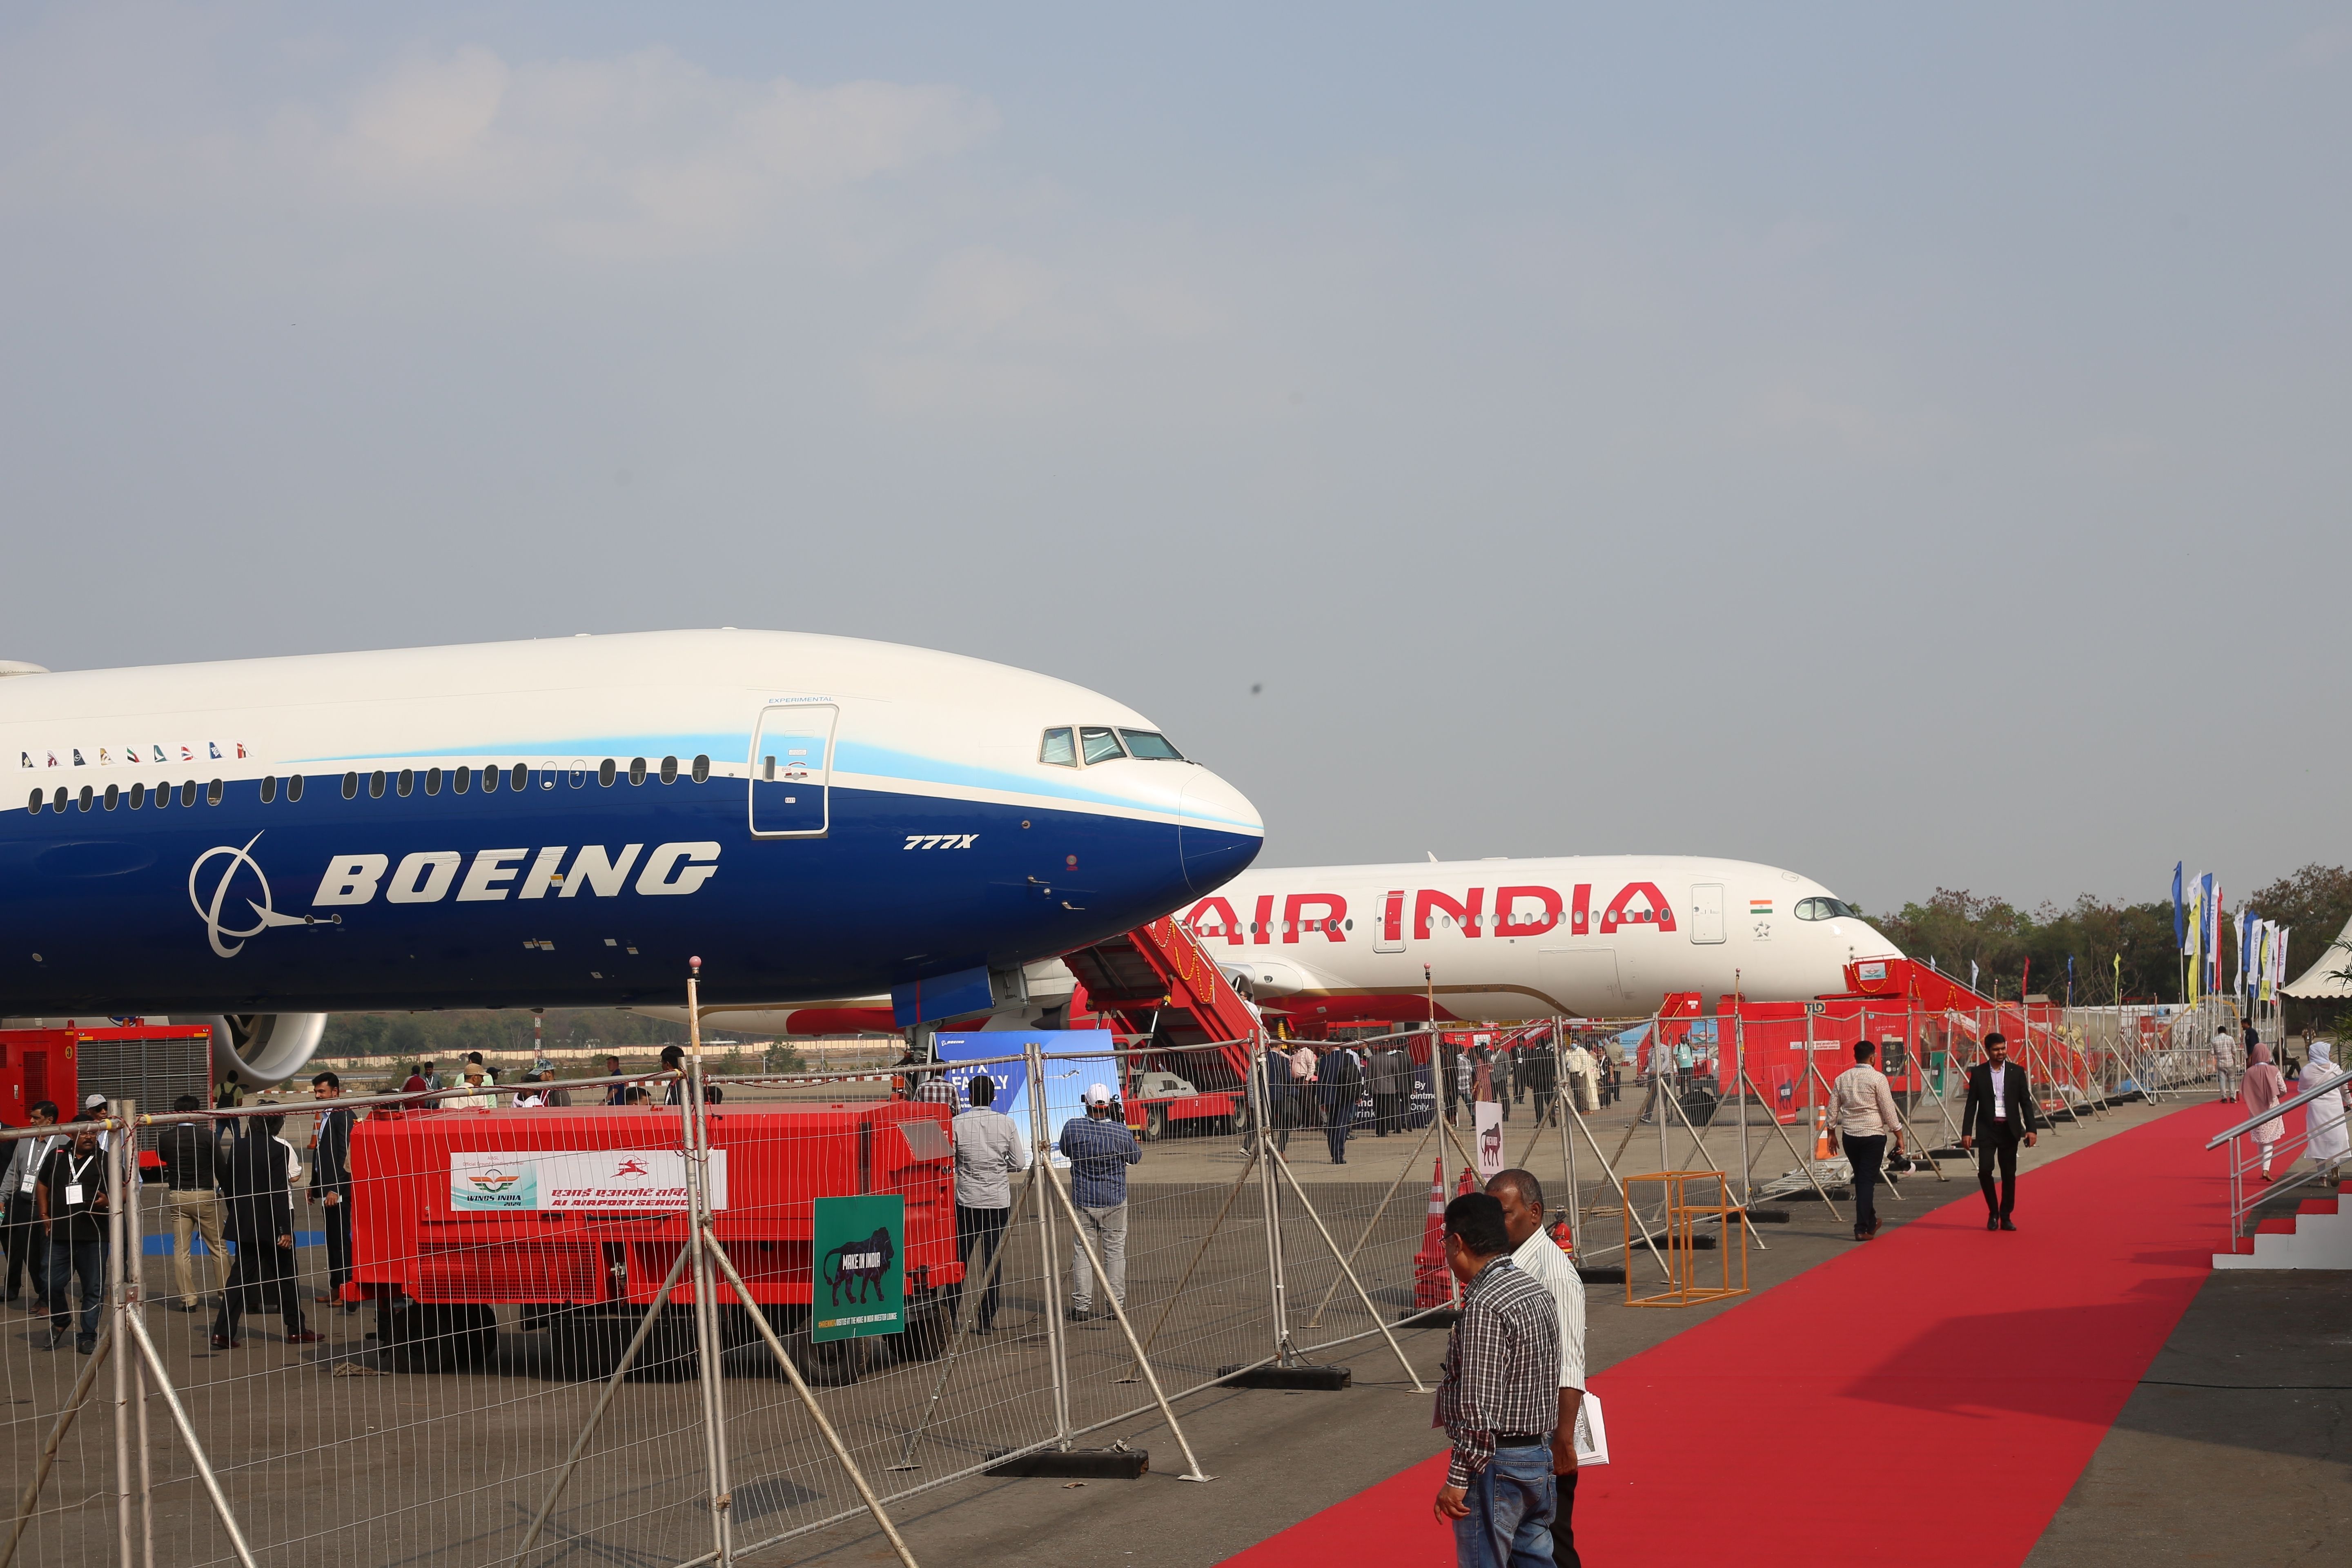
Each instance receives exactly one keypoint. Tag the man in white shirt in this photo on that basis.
(2000, 1115)
(1534, 1252)
(1864, 1105)
(476, 1095)
(989, 1148)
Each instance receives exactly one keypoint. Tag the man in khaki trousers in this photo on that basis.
(192, 1198)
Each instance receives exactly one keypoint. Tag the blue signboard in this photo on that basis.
(1075, 1060)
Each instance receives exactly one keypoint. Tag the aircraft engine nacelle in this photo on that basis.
(266, 1047)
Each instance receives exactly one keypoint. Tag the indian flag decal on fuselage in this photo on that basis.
(1759, 906)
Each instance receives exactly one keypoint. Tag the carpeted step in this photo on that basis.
(2316, 1206)
(2275, 1227)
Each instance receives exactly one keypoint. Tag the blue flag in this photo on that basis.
(2180, 921)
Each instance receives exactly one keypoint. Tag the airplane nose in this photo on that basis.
(1218, 831)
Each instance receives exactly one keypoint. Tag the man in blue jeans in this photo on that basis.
(1099, 1149)
(1499, 1399)
(71, 1199)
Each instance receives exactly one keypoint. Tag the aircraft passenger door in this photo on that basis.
(1388, 936)
(1707, 912)
(792, 771)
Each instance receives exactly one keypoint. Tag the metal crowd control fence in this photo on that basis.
(492, 1334)
(594, 1329)
(2249, 1154)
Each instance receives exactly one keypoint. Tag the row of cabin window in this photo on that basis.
(1483, 923)
(1064, 747)
(460, 781)
(138, 796)
(517, 778)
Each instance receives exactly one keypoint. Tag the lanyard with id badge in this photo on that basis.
(73, 1180)
(33, 1166)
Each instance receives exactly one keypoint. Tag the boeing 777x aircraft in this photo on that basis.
(564, 823)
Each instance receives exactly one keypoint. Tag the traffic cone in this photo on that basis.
(1821, 1134)
(1469, 1183)
(1433, 1282)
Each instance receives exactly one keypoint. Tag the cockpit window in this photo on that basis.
(1100, 744)
(1150, 746)
(1825, 909)
(1060, 748)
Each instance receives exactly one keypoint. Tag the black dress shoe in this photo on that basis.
(1992, 1222)
(86, 1343)
(2007, 1222)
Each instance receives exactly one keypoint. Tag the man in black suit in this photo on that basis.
(2000, 1115)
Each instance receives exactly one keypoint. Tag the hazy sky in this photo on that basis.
(1907, 446)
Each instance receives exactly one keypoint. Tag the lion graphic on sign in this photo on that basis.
(860, 1266)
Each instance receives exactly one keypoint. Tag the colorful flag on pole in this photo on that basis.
(2212, 933)
(2180, 921)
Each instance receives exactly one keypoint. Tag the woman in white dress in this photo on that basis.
(2322, 1119)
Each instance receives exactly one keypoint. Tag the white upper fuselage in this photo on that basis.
(565, 823)
(1580, 936)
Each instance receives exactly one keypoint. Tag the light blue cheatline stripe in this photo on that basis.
(858, 757)
(848, 757)
(719, 747)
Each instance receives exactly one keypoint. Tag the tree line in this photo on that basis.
(447, 1036)
(2013, 948)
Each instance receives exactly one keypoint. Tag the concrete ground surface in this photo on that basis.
(1281, 1457)
(2236, 1446)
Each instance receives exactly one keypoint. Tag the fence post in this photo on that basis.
(1740, 1096)
(1049, 1273)
(121, 1171)
(1270, 1198)
(711, 1343)
(1564, 1094)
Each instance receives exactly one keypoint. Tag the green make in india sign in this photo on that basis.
(860, 1283)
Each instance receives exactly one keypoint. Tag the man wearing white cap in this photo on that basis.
(1100, 1148)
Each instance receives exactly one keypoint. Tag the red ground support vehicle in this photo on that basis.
(574, 1214)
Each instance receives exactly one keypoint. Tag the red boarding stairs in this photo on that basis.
(1159, 983)
(2048, 1058)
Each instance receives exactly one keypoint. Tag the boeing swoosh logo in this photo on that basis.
(265, 916)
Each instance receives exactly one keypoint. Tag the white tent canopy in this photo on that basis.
(2321, 980)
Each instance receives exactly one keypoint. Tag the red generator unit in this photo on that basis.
(570, 1219)
(36, 1065)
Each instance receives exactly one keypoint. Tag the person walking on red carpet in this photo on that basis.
(2000, 1114)
(2261, 1089)
(1499, 1398)
(1537, 1255)
(1866, 1119)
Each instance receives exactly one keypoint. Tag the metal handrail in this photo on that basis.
(2339, 1082)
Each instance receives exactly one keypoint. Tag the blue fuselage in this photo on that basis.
(403, 830)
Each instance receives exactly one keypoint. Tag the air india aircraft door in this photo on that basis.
(1707, 912)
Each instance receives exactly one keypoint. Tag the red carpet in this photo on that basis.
(1933, 1394)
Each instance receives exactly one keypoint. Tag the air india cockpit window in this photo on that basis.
(1060, 748)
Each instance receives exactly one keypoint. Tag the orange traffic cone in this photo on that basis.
(1469, 1183)
(1821, 1134)
(1433, 1282)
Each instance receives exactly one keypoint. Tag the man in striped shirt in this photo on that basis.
(1499, 1397)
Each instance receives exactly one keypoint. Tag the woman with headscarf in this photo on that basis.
(2322, 1119)
(2261, 1089)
